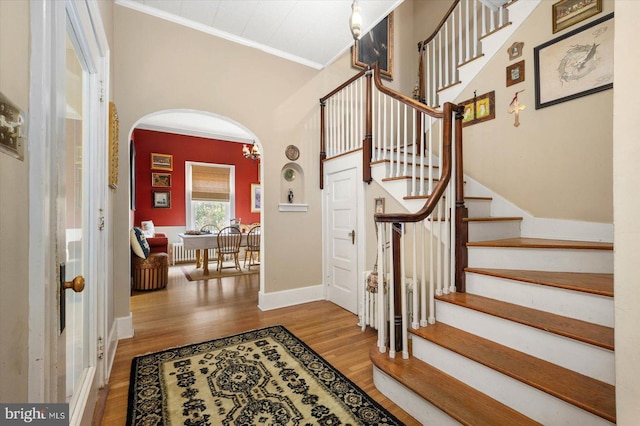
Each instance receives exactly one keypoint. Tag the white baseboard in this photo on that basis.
(124, 327)
(282, 299)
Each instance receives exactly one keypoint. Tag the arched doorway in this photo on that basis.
(185, 138)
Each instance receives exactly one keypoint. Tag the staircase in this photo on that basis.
(531, 339)
(530, 342)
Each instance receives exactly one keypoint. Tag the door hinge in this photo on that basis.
(101, 91)
(100, 348)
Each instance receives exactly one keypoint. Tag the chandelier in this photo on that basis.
(252, 153)
(355, 20)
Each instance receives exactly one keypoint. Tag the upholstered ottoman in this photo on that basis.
(151, 273)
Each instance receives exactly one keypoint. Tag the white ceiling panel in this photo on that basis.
(311, 32)
(202, 12)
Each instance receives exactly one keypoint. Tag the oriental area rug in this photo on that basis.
(260, 377)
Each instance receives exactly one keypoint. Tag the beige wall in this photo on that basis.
(14, 221)
(559, 160)
(161, 65)
(626, 178)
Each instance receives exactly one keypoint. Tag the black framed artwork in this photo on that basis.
(576, 64)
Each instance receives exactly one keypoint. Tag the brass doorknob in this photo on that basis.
(76, 285)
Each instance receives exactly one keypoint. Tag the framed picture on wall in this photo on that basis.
(569, 12)
(161, 162)
(256, 197)
(479, 108)
(515, 73)
(576, 64)
(376, 46)
(161, 180)
(161, 199)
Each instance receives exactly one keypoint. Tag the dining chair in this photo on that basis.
(229, 240)
(253, 246)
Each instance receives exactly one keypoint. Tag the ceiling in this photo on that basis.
(311, 32)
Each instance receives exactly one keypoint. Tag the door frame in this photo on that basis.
(48, 21)
(340, 164)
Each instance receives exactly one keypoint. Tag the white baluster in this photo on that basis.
(446, 53)
(403, 298)
(390, 292)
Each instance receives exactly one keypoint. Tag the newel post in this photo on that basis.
(323, 151)
(367, 143)
(462, 212)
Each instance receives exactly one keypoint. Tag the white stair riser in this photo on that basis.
(493, 230)
(588, 307)
(583, 358)
(529, 401)
(418, 408)
(556, 260)
(478, 208)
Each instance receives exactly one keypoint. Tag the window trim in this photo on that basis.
(190, 219)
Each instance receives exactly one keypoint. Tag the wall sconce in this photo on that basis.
(355, 20)
(252, 153)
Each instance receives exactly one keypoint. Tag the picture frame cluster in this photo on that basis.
(161, 163)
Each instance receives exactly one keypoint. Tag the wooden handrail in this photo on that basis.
(442, 184)
(342, 86)
(441, 24)
(402, 98)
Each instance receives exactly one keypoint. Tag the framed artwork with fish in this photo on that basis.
(575, 64)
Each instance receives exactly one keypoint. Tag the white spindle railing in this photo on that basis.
(457, 42)
(410, 139)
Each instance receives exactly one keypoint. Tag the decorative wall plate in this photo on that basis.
(289, 175)
(292, 152)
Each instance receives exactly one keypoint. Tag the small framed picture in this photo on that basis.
(161, 162)
(379, 205)
(161, 199)
(161, 180)
(256, 197)
(569, 12)
(515, 50)
(515, 73)
(479, 108)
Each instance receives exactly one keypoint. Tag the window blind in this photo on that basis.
(210, 183)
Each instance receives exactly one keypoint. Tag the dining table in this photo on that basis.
(201, 243)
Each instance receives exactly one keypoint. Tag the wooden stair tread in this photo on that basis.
(491, 219)
(583, 331)
(416, 197)
(582, 391)
(389, 179)
(542, 243)
(409, 163)
(594, 283)
(458, 400)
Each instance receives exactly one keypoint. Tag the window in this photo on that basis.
(210, 194)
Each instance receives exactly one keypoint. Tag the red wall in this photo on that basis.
(187, 148)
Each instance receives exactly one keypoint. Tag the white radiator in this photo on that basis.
(180, 255)
(369, 310)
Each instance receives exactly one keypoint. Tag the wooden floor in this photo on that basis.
(189, 312)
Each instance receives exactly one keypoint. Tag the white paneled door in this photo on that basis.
(342, 239)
